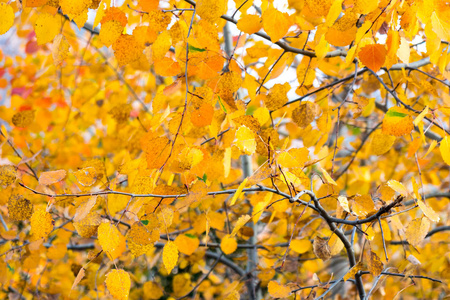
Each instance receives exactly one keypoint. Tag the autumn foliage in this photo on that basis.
(224, 149)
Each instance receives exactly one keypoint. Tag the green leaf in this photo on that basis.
(396, 114)
(221, 105)
(145, 222)
(250, 110)
(191, 236)
(194, 49)
(204, 178)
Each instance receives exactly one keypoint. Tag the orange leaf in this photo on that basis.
(277, 290)
(249, 24)
(187, 244)
(51, 177)
(228, 244)
(41, 224)
(373, 56)
(275, 23)
(397, 122)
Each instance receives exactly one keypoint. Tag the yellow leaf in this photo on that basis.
(165, 217)
(305, 114)
(262, 114)
(417, 230)
(373, 56)
(420, 117)
(277, 96)
(374, 263)
(110, 239)
(79, 277)
(74, 7)
(428, 211)
(245, 140)
(234, 295)
(8, 175)
(151, 289)
(398, 187)
(47, 27)
(335, 244)
(416, 189)
(88, 226)
(344, 203)
(319, 8)
(381, 143)
(397, 122)
(432, 146)
(140, 238)
(6, 17)
(322, 48)
(386, 192)
(305, 77)
(327, 177)
(227, 162)
(116, 203)
(239, 224)
(23, 118)
(249, 24)
(86, 176)
(161, 45)
(258, 209)
(440, 27)
(238, 192)
(41, 224)
(363, 205)
(170, 256)
(301, 246)
(386, 230)
(321, 248)
(445, 149)
(57, 251)
(187, 243)
(364, 7)
(277, 290)
(403, 51)
(334, 12)
(60, 49)
(110, 32)
(228, 244)
(118, 283)
(294, 158)
(126, 49)
(352, 272)
(275, 23)
(84, 208)
(19, 208)
(211, 10)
